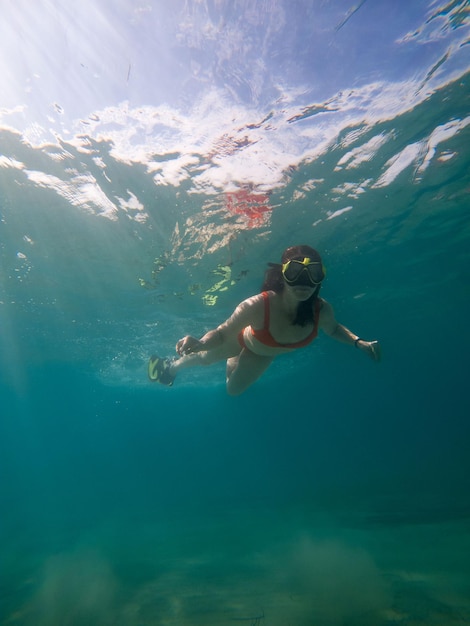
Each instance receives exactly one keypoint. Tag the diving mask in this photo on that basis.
(306, 272)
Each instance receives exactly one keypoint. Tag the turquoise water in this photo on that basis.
(138, 206)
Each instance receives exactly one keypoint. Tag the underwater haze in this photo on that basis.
(154, 158)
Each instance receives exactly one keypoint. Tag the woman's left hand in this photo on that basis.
(371, 348)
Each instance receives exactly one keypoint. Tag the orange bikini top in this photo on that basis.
(264, 334)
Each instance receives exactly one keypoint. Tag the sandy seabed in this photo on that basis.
(255, 568)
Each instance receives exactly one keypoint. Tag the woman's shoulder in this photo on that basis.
(251, 303)
(249, 312)
(269, 293)
(259, 297)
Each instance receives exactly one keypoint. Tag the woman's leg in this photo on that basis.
(243, 370)
(164, 370)
(207, 357)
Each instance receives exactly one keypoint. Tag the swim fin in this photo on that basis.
(159, 371)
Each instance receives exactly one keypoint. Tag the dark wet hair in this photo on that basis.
(274, 281)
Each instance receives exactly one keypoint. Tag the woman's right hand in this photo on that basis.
(189, 345)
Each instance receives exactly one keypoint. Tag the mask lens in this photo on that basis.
(315, 272)
(292, 270)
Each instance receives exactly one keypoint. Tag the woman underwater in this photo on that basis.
(285, 316)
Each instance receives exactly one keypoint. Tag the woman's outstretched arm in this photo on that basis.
(339, 332)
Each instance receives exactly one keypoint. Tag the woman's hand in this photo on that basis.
(371, 348)
(189, 345)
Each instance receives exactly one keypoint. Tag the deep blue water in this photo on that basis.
(335, 491)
